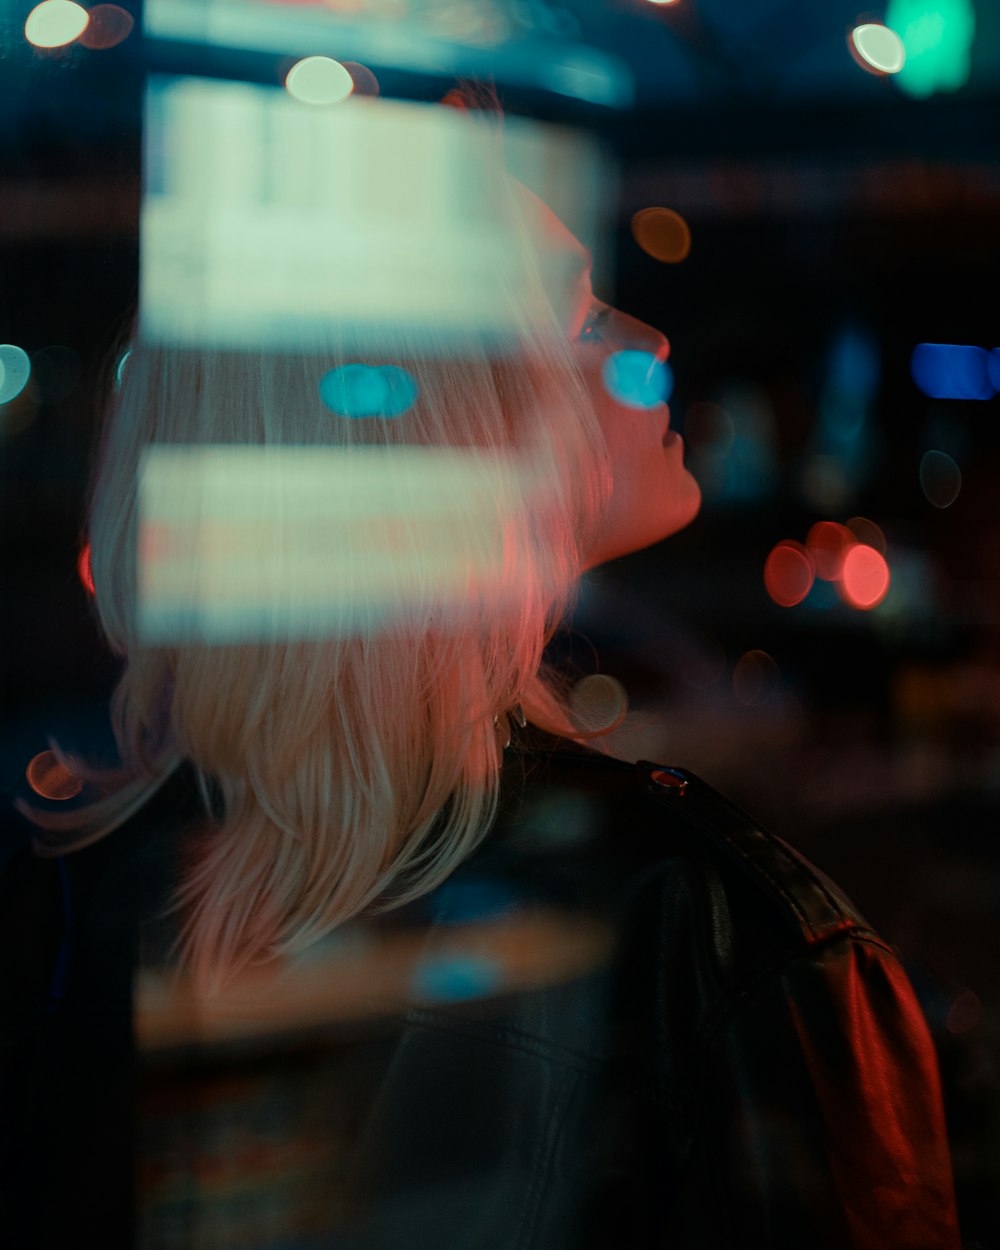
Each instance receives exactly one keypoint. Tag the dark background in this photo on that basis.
(822, 201)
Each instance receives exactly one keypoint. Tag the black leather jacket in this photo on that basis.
(747, 1066)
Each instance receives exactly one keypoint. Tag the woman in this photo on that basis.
(745, 1064)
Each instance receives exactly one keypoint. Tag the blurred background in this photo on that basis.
(804, 199)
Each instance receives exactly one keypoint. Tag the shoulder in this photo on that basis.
(655, 819)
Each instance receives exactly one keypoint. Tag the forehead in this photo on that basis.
(551, 229)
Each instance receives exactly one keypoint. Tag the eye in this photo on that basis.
(591, 332)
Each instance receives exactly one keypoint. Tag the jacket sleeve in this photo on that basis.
(821, 1122)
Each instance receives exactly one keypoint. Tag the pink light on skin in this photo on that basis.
(788, 573)
(865, 579)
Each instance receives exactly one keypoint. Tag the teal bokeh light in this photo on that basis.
(455, 978)
(937, 36)
(637, 379)
(358, 390)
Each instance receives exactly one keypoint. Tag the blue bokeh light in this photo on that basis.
(993, 367)
(637, 379)
(358, 390)
(952, 371)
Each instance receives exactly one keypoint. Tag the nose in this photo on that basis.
(641, 337)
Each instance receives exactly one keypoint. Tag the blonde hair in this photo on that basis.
(355, 771)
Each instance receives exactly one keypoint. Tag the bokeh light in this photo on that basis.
(365, 82)
(319, 80)
(788, 573)
(637, 379)
(109, 26)
(940, 478)
(455, 978)
(15, 369)
(755, 676)
(938, 36)
(828, 544)
(50, 778)
(709, 427)
(598, 702)
(993, 368)
(84, 571)
(877, 49)
(662, 234)
(865, 579)
(121, 366)
(964, 1012)
(358, 390)
(952, 371)
(867, 532)
(55, 23)
(823, 597)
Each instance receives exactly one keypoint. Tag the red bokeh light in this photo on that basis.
(865, 579)
(83, 569)
(828, 543)
(109, 25)
(365, 82)
(51, 779)
(788, 573)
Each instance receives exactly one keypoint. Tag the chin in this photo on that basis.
(692, 505)
(641, 529)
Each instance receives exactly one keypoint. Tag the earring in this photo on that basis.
(501, 725)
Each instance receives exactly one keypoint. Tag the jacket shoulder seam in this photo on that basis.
(797, 889)
(727, 1005)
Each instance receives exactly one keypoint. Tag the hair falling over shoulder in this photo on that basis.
(355, 770)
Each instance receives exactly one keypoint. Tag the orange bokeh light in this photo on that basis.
(865, 579)
(83, 569)
(828, 543)
(52, 779)
(788, 573)
(662, 234)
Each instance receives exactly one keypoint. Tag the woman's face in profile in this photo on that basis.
(653, 494)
